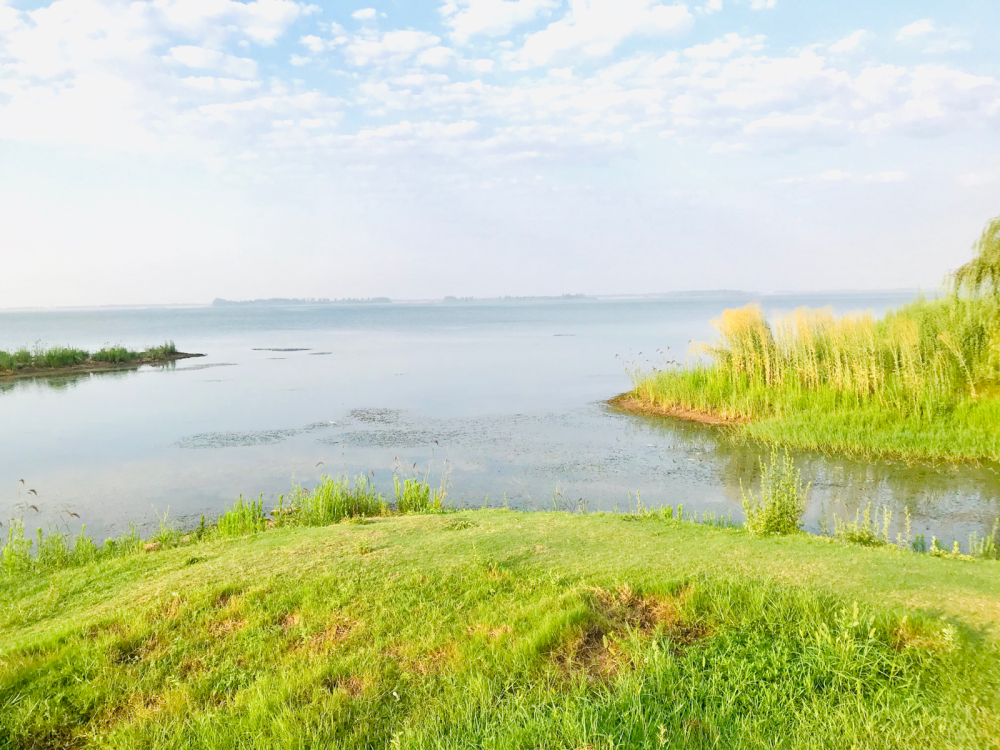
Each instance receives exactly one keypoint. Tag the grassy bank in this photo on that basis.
(41, 360)
(922, 382)
(340, 623)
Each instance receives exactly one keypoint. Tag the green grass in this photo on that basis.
(496, 629)
(41, 358)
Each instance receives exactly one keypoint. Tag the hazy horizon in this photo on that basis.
(680, 293)
(174, 151)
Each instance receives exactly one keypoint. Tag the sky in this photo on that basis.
(174, 151)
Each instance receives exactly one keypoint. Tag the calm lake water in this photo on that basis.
(504, 397)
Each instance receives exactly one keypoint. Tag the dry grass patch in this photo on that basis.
(337, 632)
(230, 625)
(906, 635)
(596, 651)
(138, 706)
(491, 634)
(350, 685)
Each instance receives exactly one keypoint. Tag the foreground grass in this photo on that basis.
(58, 357)
(500, 629)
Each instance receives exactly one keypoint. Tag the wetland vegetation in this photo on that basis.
(923, 382)
(61, 359)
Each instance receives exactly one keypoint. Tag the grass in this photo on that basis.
(491, 629)
(41, 358)
(500, 629)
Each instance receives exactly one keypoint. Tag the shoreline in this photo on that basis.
(630, 404)
(94, 367)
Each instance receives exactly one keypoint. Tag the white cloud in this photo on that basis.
(263, 21)
(226, 85)
(365, 14)
(299, 60)
(976, 179)
(915, 29)
(468, 18)
(725, 47)
(436, 57)
(210, 59)
(853, 42)
(596, 27)
(389, 48)
(762, 4)
(887, 177)
(314, 43)
(712, 6)
(840, 175)
(879, 83)
(935, 40)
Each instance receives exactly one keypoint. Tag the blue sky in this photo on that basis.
(162, 151)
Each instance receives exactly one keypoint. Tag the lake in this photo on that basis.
(504, 398)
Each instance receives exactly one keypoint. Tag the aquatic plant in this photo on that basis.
(242, 519)
(416, 496)
(332, 500)
(781, 502)
(159, 352)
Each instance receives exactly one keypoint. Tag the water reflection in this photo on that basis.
(948, 500)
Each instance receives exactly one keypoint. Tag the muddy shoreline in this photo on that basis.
(92, 367)
(629, 403)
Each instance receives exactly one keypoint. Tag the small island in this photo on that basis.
(65, 360)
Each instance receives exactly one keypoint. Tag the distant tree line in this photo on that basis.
(296, 301)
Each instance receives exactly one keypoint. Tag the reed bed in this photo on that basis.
(919, 383)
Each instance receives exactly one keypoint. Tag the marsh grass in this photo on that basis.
(61, 356)
(455, 636)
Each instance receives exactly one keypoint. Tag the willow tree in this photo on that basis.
(982, 273)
